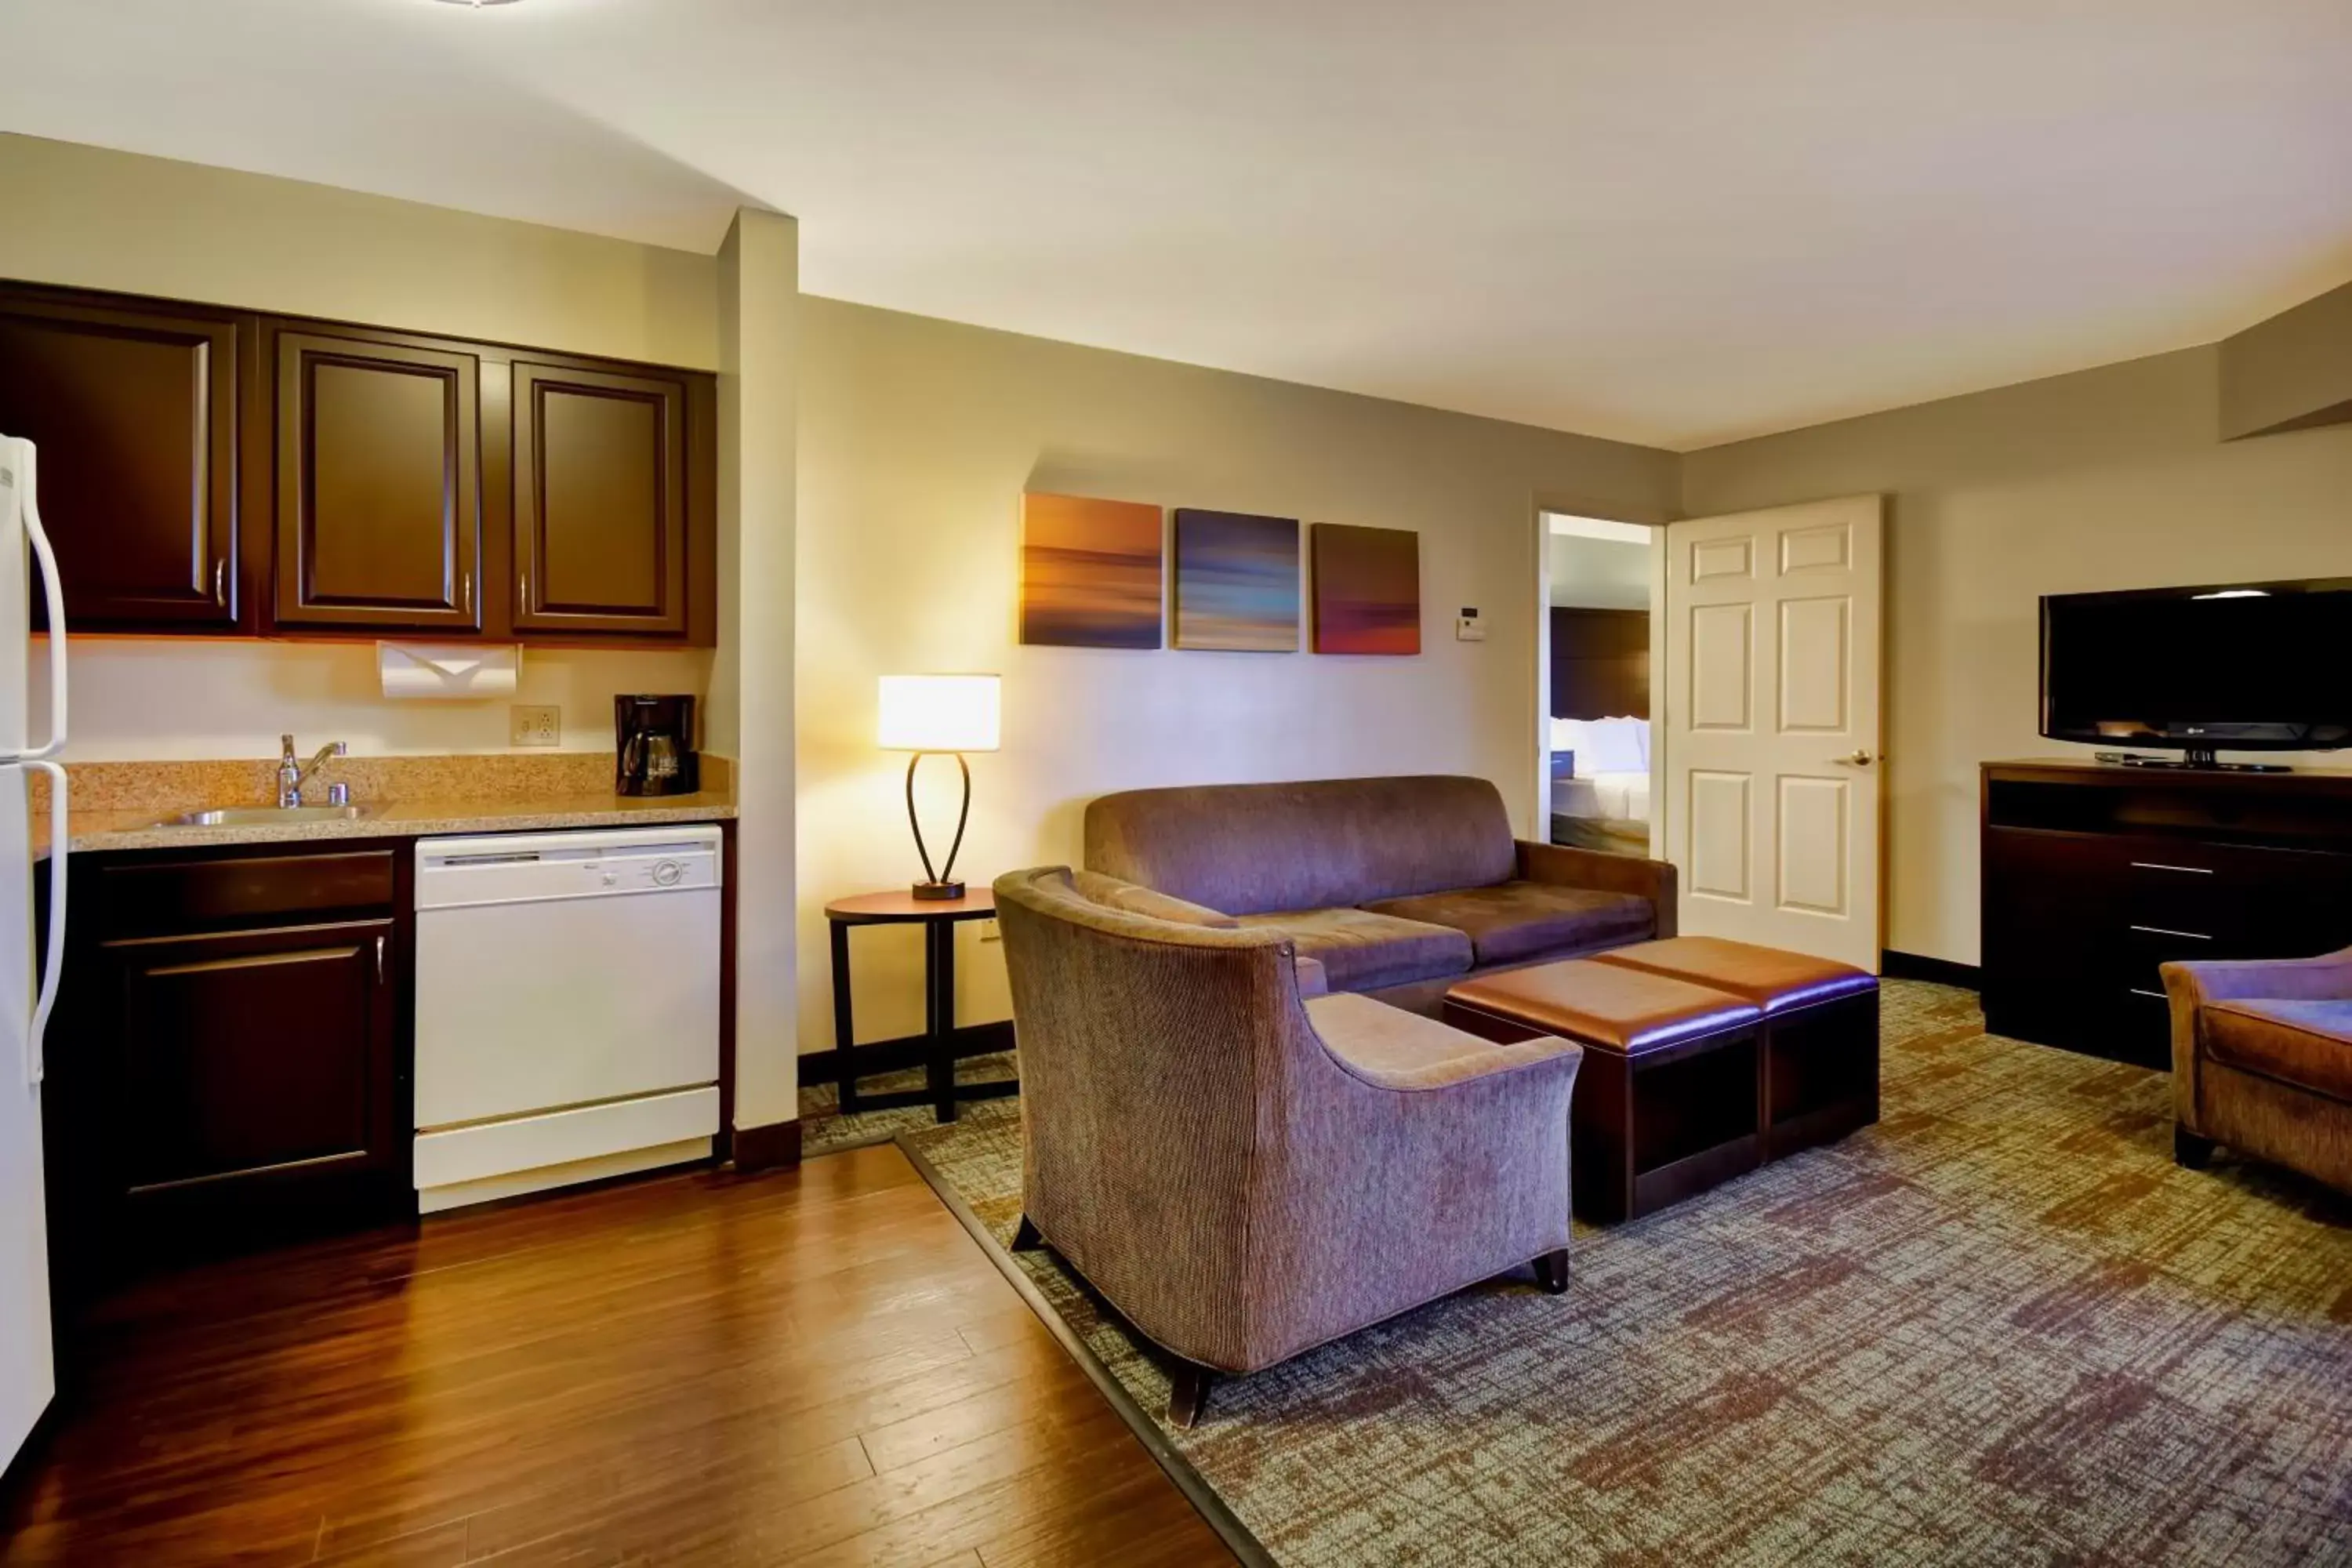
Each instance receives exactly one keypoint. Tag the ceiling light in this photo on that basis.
(477, 5)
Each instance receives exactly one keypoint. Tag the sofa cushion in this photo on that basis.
(2306, 1043)
(1252, 849)
(1361, 951)
(1511, 921)
(1112, 893)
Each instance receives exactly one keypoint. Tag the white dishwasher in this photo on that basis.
(567, 1008)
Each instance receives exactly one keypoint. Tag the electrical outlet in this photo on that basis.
(535, 725)
(1468, 626)
(991, 932)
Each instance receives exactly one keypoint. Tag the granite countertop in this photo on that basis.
(95, 832)
(117, 805)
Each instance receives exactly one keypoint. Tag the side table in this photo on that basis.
(939, 917)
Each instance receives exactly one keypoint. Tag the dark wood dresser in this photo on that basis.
(2095, 874)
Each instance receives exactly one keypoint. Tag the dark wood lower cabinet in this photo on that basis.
(230, 1061)
(253, 1061)
(2094, 877)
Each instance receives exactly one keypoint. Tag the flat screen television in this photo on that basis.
(2237, 666)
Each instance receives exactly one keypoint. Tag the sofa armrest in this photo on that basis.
(1564, 867)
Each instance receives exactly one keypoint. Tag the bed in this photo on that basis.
(1600, 784)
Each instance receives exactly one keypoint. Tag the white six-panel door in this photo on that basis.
(1772, 764)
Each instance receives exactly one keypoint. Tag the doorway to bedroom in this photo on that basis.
(1602, 580)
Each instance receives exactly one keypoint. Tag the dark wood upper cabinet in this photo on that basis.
(378, 494)
(206, 469)
(132, 410)
(599, 519)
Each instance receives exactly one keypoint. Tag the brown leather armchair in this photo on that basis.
(2262, 1061)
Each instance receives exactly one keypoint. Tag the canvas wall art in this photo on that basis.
(1090, 572)
(1236, 582)
(1367, 589)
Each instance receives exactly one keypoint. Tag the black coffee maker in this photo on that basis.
(655, 741)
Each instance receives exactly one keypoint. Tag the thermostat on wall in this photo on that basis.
(1468, 627)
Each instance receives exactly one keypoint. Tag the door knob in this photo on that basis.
(1858, 760)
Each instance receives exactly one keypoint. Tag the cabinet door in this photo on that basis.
(379, 516)
(133, 412)
(254, 1061)
(600, 505)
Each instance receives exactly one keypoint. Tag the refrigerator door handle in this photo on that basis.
(53, 961)
(39, 538)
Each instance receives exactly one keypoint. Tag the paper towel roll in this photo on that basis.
(457, 672)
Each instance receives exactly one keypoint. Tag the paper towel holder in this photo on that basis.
(449, 672)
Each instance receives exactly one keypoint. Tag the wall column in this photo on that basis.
(750, 714)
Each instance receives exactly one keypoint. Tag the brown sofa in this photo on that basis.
(1398, 887)
(1246, 1172)
(2262, 1061)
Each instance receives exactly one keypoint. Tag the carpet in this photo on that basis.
(1999, 1327)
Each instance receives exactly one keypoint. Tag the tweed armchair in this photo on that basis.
(1245, 1175)
(2262, 1061)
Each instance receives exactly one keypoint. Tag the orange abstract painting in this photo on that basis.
(1367, 589)
(1090, 572)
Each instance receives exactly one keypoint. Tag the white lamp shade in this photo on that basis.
(939, 713)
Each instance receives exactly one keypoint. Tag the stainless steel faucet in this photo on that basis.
(292, 774)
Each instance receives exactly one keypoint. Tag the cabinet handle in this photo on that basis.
(2168, 930)
(2161, 866)
(465, 592)
(522, 592)
(379, 961)
(220, 582)
(2143, 991)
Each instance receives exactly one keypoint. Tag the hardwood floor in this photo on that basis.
(807, 1366)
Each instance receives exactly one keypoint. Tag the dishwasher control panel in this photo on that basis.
(524, 867)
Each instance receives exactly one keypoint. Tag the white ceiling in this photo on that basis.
(1670, 221)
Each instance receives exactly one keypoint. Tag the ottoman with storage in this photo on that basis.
(1669, 1102)
(1820, 1029)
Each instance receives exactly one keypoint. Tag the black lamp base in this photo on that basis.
(938, 893)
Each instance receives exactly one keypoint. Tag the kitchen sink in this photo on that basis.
(244, 816)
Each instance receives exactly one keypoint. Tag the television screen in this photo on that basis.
(2260, 666)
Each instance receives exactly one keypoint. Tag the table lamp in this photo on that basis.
(948, 713)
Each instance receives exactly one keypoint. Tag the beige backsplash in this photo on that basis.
(489, 776)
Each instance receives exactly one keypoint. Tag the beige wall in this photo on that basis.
(94, 218)
(2113, 478)
(189, 699)
(99, 219)
(917, 438)
(1600, 573)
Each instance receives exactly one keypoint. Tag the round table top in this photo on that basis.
(900, 904)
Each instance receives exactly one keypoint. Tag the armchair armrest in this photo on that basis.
(1564, 867)
(1390, 1049)
(2190, 987)
(2326, 978)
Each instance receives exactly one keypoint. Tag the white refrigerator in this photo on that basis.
(27, 1369)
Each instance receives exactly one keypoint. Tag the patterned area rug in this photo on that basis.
(1999, 1327)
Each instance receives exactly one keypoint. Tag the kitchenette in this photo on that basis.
(353, 982)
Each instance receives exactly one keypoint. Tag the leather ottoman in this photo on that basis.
(1669, 1100)
(1821, 1029)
